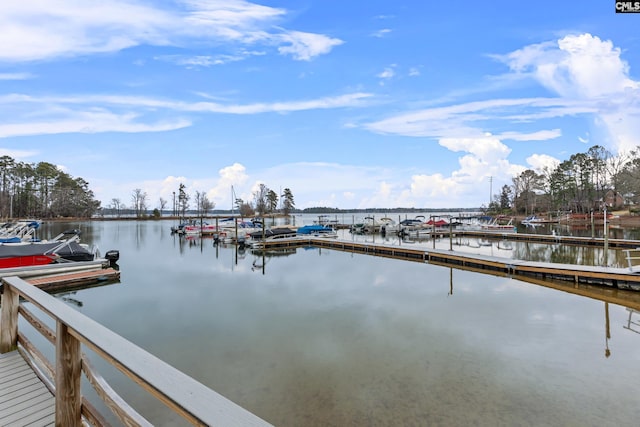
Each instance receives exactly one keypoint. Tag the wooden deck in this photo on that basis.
(72, 280)
(24, 398)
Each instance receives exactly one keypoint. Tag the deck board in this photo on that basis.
(24, 399)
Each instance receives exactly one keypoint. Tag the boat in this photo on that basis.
(535, 220)
(372, 225)
(326, 220)
(272, 232)
(19, 231)
(203, 229)
(317, 230)
(498, 226)
(235, 229)
(408, 224)
(179, 229)
(259, 238)
(63, 248)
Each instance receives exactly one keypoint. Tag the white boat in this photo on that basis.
(203, 229)
(237, 230)
(317, 230)
(497, 226)
(259, 238)
(409, 224)
(372, 225)
(535, 220)
(20, 231)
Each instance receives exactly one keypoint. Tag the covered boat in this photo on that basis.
(63, 248)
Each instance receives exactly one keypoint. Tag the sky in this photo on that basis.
(349, 104)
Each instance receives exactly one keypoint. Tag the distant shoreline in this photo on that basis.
(621, 218)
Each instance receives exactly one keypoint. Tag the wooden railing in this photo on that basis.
(632, 255)
(190, 399)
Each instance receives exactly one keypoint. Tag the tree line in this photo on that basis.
(265, 202)
(584, 183)
(42, 190)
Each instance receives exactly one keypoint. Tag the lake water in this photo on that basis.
(314, 337)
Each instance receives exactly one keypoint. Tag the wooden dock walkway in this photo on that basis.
(66, 277)
(73, 280)
(24, 399)
(620, 278)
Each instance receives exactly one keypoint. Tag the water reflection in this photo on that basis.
(314, 337)
(633, 322)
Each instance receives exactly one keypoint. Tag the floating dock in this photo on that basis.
(619, 278)
(67, 276)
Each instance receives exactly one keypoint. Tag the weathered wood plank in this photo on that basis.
(68, 371)
(24, 399)
(17, 373)
(8, 388)
(25, 389)
(8, 364)
(9, 320)
(30, 414)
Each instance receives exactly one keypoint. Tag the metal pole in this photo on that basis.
(606, 239)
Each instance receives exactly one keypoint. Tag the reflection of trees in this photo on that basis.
(531, 251)
(140, 233)
(567, 254)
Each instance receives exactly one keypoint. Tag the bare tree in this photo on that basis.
(206, 205)
(139, 202)
(116, 204)
(162, 203)
(260, 197)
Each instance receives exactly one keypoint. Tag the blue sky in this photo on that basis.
(350, 104)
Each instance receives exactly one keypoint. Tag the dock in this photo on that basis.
(66, 277)
(24, 397)
(619, 278)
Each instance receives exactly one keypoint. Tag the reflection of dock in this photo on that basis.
(636, 323)
(621, 278)
(550, 239)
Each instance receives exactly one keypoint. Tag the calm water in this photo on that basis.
(325, 338)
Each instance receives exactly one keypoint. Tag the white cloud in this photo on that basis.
(47, 29)
(590, 70)
(306, 46)
(582, 66)
(381, 33)
(542, 135)
(95, 121)
(387, 73)
(26, 115)
(539, 162)
(20, 155)
(584, 140)
(15, 76)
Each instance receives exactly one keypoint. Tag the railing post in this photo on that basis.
(9, 319)
(68, 371)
